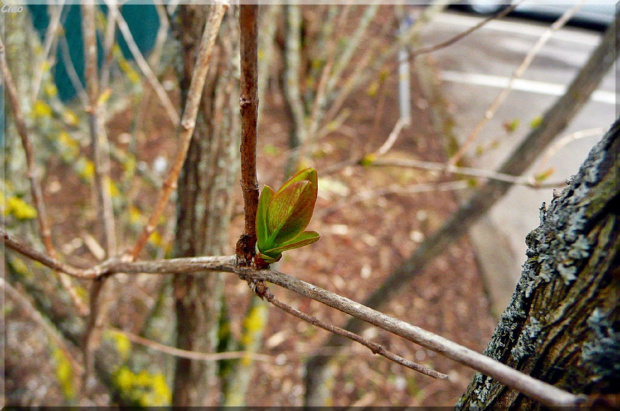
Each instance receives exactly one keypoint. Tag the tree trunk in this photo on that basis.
(204, 202)
(563, 325)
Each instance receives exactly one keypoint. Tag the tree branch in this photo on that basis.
(188, 122)
(65, 54)
(292, 92)
(374, 347)
(101, 159)
(51, 37)
(466, 171)
(35, 185)
(144, 65)
(248, 22)
(430, 49)
(541, 391)
(108, 44)
(100, 154)
(192, 355)
(394, 189)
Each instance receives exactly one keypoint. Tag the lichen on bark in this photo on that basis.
(562, 325)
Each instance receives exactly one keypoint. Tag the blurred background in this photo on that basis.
(342, 88)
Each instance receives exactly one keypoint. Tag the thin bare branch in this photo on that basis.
(352, 82)
(541, 391)
(266, 42)
(144, 66)
(398, 127)
(430, 49)
(466, 171)
(73, 75)
(352, 44)
(188, 123)
(99, 302)
(162, 35)
(35, 185)
(22, 130)
(374, 347)
(559, 144)
(292, 91)
(525, 64)
(320, 100)
(192, 355)
(115, 265)
(27, 250)
(51, 37)
(108, 46)
(101, 159)
(360, 77)
(394, 189)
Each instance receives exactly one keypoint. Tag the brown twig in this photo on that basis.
(541, 391)
(192, 355)
(374, 347)
(114, 265)
(188, 123)
(248, 22)
(525, 64)
(35, 186)
(27, 250)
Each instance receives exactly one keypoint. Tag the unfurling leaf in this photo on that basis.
(282, 216)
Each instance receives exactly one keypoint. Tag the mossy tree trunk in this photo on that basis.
(204, 201)
(563, 324)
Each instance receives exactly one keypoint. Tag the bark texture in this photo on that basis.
(563, 324)
(204, 202)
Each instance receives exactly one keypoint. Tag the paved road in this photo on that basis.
(474, 71)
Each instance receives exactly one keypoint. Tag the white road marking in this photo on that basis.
(531, 86)
(529, 29)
